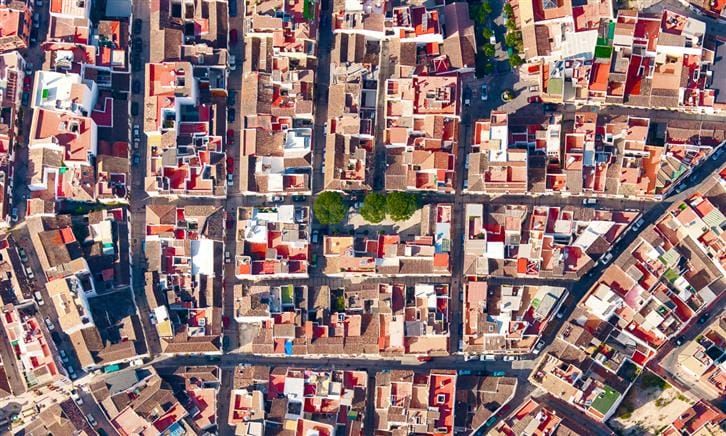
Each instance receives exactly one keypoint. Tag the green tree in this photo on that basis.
(401, 205)
(488, 68)
(329, 207)
(508, 11)
(515, 61)
(489, 50)
(374, 207)
(486, 8)
(487, 33)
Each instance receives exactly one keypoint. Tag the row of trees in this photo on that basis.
(398, 206)
(330, 207)
(513, 37)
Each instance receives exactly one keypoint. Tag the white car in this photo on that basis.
(77, 398)
(49, 323)
(91, 420)
(539, 347)
(607, 258)
(63, 355)
(492, 39)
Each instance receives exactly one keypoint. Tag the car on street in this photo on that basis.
(49, 323)
(484, 92)
(680, 340)
(299, 198)
(232, 8)
(493, 39)
(25, 99)
(230, 179)
(14, 214)
(77, 398)
(704, 318)
(136, 87)
(537, 348)
(589, 201)
(606, 259)
(91, 420)
(314, 260)
(230, 165)
(231, 115)
(22, 255)
(63, 355)
(315, 237)
(231, 98)
(134, 109)
(467, 96)
(137, 159)
(137, 131)
(136, 26)
(38, 298)
(28, 84)
(561, 313)
(29, 273)
(227, 257)
(300, 215)
(38, 3)
(534, 99)
(277, 199)
(233, 37)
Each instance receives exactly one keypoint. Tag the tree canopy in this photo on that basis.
(329, 207)
(374, 207)
(401, 205)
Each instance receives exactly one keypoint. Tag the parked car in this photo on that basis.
(230, 179)
(607, 258)
(233, 37)
(134, 109)
(38, 3)
(300, 215)
(91, 420)
(534, 99)
(230, 115)
(25, 99)
(484, 92)
(315, 237)
(136, 26)
(63, 355)
(680, 340)
(492, 39)
(137, 159)
(29, 273)
(299, 198)
(38, 298)
(231, 97)
(704, 318)
(227, 257)
(77, 398)
(232, 8)
(537, 348)
(136, 87)
(230, 164)
(49, 323)
(589, 201)
(22, 255)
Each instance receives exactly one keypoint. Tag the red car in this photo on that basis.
(230, 165)
(534, 99)
(233, 36)
(230, 136)
(27, 83)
